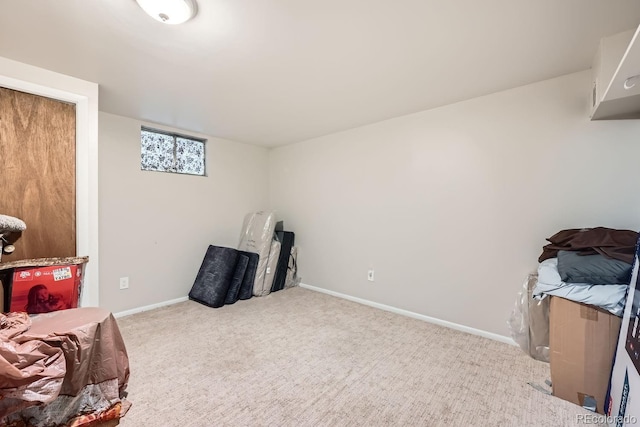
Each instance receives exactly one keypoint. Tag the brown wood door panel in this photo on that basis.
(37, 173)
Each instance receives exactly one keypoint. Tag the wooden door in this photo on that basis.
(38, 173)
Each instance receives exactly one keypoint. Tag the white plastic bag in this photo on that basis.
(292, 279)
(529, 322)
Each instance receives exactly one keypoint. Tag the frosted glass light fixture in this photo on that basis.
(169, 11)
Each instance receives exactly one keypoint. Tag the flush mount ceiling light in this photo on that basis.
(169, 11)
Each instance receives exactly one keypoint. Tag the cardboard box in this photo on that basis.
(45, 289)
(582, 342)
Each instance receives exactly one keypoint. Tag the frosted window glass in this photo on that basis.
(157, 151)
(189, 156)
(171, 153)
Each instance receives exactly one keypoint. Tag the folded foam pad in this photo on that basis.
(236, 280)
(256, 237)
(246, 289)
(215, 276)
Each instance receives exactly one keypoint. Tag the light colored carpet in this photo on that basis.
(302, 358)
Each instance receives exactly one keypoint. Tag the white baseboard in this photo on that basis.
(447, 324)
(149, 307)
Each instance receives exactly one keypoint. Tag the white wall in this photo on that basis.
(155, 227)
(451, 206)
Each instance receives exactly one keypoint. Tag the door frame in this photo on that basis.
(38, 81)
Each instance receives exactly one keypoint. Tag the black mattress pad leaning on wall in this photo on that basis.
(287, 240)
(222, 277)
(236, 279)
(246, 288)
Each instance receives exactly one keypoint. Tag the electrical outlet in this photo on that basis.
(124, 283)
(370, 275)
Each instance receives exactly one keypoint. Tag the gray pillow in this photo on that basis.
(595, 269)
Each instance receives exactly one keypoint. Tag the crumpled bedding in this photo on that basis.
(596, 269)
(31, 371)
(57, 366)
(609, 242)
(609, 297)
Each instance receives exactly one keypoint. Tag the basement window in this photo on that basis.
(169, 152)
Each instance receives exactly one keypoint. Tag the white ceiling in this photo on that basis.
(281, 71)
